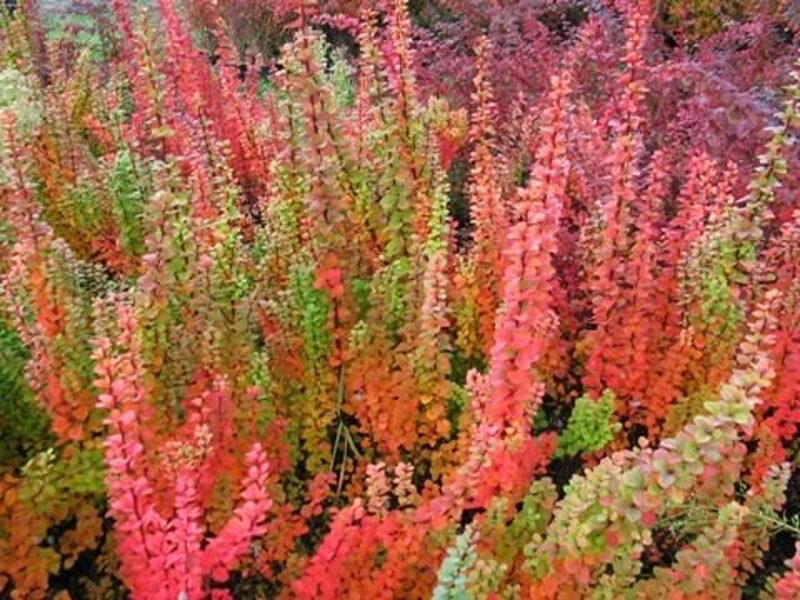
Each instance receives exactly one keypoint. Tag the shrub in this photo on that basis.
(320, 329)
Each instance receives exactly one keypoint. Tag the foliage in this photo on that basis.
(23, 426)
(310, 299)
(590, 427)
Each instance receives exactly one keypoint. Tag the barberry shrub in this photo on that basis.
(293, 315)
